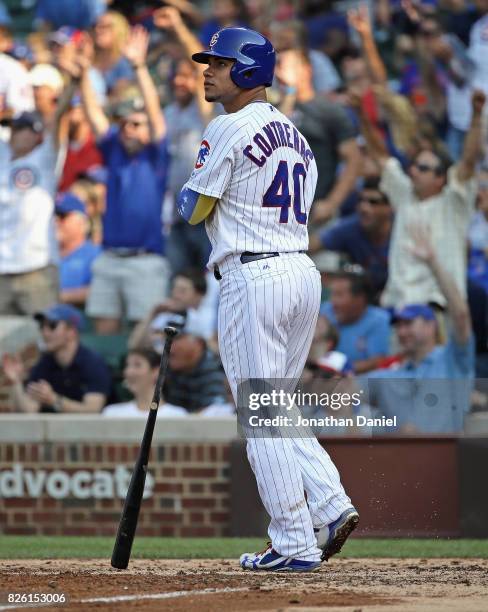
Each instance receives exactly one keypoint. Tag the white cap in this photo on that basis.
(45, 74)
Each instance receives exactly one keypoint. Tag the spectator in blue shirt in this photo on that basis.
(77, 252)
(68, 377)
(364, 236)
(430, 391)
(364, 330)
(131, 274)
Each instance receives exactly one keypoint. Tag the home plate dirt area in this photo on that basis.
(211, 585)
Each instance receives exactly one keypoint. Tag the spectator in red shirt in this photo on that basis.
(82, 153)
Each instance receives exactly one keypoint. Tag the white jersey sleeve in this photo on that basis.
(215, 160)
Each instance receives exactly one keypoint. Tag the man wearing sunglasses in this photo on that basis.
(365, 236)
(440, 197)
(68, 377)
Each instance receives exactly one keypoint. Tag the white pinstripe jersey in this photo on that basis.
(264, 174)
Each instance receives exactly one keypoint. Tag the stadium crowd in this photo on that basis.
(102, 112)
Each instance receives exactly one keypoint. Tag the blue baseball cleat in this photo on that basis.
(271, 561)
(332, 538)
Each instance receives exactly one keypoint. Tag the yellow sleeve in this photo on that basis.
(204, 206)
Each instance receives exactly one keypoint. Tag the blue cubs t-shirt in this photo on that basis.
(75, 268)
(135, 191)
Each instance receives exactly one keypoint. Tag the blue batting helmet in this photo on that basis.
(253, 54)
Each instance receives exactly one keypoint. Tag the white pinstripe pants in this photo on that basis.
(267, 315)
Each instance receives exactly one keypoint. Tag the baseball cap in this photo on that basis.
(67, 203)
(45, 74)
(127, 107)
(62, 312)
(29, 119)
(64, 35)
(412, 311)
(335, 363)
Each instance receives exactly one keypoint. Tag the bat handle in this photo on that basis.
(170, 332)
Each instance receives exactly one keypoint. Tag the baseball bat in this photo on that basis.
(133, 499)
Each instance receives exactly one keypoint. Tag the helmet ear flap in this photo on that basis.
(248, 73)
(242, 76)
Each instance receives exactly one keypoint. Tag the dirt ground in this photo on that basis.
(359, 585)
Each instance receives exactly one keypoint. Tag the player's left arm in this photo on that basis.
(194, 207)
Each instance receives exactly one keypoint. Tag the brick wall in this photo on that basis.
(190, 493)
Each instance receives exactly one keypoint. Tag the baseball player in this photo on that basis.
(253, 183)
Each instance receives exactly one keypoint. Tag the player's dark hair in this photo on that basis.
(148, 354)
(197, 279)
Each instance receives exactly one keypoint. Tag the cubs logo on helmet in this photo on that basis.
(203, 153)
